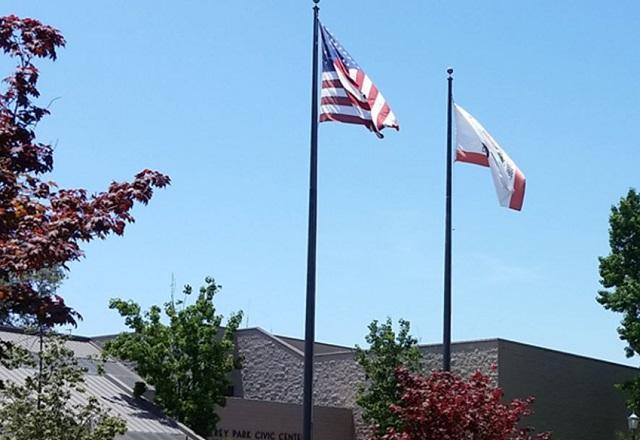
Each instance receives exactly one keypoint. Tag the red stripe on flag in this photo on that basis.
(471, 157)
(384, 112)
(359, 78)
(343, 100)
(339, 65)
(331, 84)
(349, 119)
(373, 94)
(517, 198)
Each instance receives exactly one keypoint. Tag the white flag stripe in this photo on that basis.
(389, 119)
(328, 76)
(333, 92)
(377, 105)
(345, 110)
(366, 85)
(353, 74)
(467, 132)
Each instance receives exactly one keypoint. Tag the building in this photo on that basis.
(113, 389)
(575, 395)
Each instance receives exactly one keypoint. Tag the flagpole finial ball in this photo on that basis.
(316, 1)
(450, 70)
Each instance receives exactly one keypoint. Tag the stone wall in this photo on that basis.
(466, 358)
(273, 369)
(337, 377)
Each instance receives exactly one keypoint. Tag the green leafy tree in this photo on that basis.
(40, 407)
(387, 351)
(620, 277)
(188, 360)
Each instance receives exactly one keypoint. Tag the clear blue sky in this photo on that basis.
(216, 94)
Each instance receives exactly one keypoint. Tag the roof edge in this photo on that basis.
(185, 429)
(465, 342)
(274, 338)
(574, 355)
(24, 331)
(347, 349)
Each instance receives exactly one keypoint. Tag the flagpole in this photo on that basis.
(446, 334)
(309, 337)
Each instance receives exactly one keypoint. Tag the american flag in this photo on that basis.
(348, 95)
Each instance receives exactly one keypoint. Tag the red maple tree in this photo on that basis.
(444, 406)
(42, 225)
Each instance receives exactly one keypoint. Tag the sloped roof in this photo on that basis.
(144, 420)
(297, 343)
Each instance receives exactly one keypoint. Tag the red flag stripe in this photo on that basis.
(331, 84)
(373, 95)
(519, 185)
(343, 100)
(349, 119)
(382, 115)
(472, 157)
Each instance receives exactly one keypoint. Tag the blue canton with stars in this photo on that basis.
(332, 49)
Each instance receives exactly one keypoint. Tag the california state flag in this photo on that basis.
(475, 145)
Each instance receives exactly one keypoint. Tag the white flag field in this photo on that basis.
(475, 145)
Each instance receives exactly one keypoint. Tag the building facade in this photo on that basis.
(575, 396)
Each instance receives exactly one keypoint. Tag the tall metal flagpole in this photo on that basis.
(446, 334)
(307, 399)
